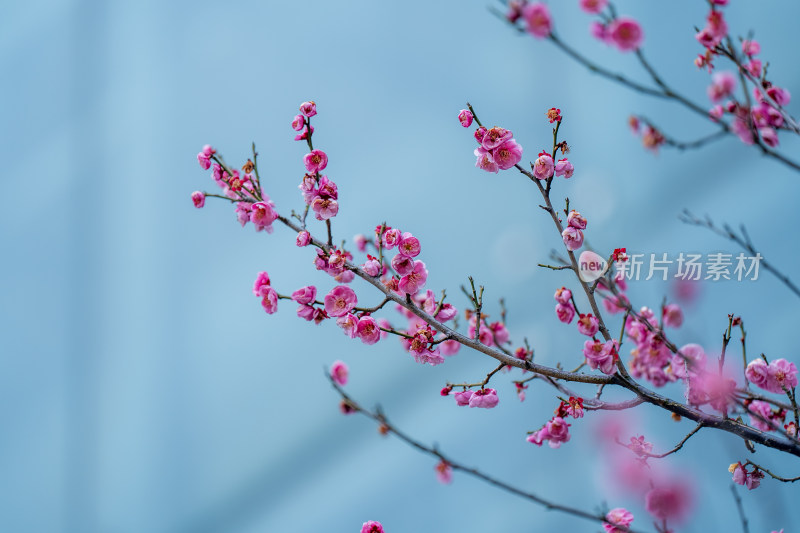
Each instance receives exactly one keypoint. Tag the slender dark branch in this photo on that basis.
(740, 508)
(480, 384)
(679, 445)
(597, 69)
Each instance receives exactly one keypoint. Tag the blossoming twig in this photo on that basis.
(387, 427)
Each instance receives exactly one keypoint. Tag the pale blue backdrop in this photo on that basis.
(142, 388)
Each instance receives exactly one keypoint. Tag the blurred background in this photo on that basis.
(142, 386)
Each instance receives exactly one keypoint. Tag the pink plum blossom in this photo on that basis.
(743, 131)
(754, 67)
(340, 301)
(204, 157)
(462, 398)
(538, 19)
(537, 437)
(402, 264)
(543, 167)
(270, 301)
(565, 312)
(262, 215)
(722, 85)
(324, 208)
(339, 373)
(305, 134)
(372, 527)
(783, 373)
(412, 282)
(593, 6)
(485, 398)
(563, 295)
(673, 316)
(308, 109)
(575, 220)
(671, 501)
(372, 266)
(716, 112)
(715, 30)
(450, 347)
(391, 238)
(507, 154)
(573, 238)
(599, 31)
(769, 136)
(361, 242)
(751, 47)
(626, 34)
(617, 517)
(199, 199)
(306, 312)
(639, 446)
(348, 323)
(485, 160)
(261, 284)
(408, 245)
(760, 414)
(588, 325)
(494, 137)
(781, 96)
(444, 472)
(465, 117)
(564, 168)
(303, 238)
(447, 312)
(306, 295)
(741, 476)
(298, 122)
(557, 432)
(315, 161)
(602, 355)
(368, 330)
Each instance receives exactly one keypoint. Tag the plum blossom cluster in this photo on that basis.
(320, 193)
(497, 148)
(556, 431)
(405, 275)
(535, 15)
(573, 233)
(244, 189)
(483, 397)
(624, 33)
(777, 376)
(751, 122)
(545, 168)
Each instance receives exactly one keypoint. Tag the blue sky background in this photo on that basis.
(142, 388)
